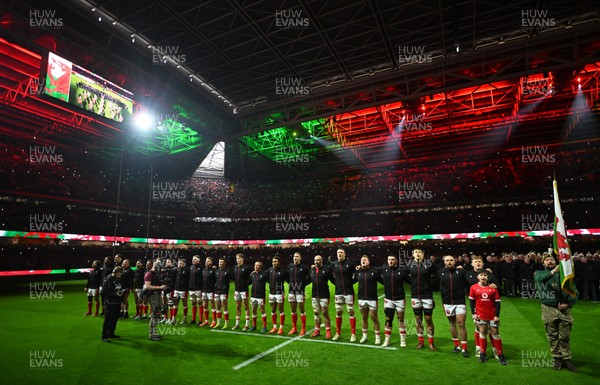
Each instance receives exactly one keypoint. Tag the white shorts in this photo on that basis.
(344, 299)
(257, 301)
(221, 297)
(454, 310)
(276, 298)
(240, 295)
(296, 298)
(195, 294)
(425, 303)
(180, 294)
(93, 292)
(492, 324)
(365, 303)
(208, 296)
(398, 305)
(319, 304)
(340, 300)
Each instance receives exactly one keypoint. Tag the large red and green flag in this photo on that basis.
(562, 249)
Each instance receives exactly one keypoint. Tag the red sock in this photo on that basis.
(194, 310)
(175, 312)
(464, 345)
(430, 340)
(303, 320)
(264, 319)
(172, 313)
(388, 332)
(455, 341)
(274, 319)
(185, 311)
(497, 343)
(338, 325)
(281, 319)
(294, 320)
(214, 315)
(483, 344)
(226, 316)
(137, 310)
(89, 307)
(353, 325)
(219, 314)
(97, 307)
(421, 339)
(254, 321)
(477, 338)
(206, 315)
(201, 313)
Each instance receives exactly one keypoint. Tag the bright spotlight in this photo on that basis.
(143, 121)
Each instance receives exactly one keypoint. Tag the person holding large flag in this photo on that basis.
(557, 293)
(556, 313)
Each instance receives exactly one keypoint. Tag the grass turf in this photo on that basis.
(55, 328)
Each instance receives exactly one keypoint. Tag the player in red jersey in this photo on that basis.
(485, 307)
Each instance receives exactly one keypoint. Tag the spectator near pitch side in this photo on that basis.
(508, 272)
(526, 270)
(584, 271)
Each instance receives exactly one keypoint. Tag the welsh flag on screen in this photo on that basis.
(562, 249)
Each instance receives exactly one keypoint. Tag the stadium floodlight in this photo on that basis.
(143, 121)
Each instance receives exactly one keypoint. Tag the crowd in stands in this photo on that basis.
(502, 177)
(79, 195)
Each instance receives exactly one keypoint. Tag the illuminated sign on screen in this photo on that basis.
(77, 86)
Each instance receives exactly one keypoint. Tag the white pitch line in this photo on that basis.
(308, 340)
(261, 355)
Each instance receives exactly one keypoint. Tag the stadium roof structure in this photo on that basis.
(319, 85)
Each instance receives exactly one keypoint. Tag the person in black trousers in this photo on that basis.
(113, 290)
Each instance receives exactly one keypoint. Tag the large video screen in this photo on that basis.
(76, 85)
